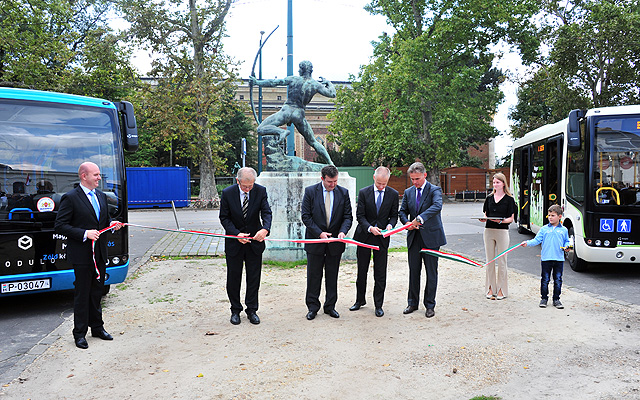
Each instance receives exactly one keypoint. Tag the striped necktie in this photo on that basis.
(245, 205)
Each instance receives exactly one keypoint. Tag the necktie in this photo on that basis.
(245, 205)
(327, 207)
(94, 203)
(379, 200)
(418, 200)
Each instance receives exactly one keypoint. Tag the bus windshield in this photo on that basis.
(616, 166)
(41, 147)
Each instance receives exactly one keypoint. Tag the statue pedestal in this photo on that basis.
(285, 191)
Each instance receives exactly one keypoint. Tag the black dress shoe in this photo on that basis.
(410, 309)
(253, 318)
(379, 312)
(102, 334)
(356, 306)
(235, 318)
(311, 315)
(81, 343)
(430, 313)
(332, 313)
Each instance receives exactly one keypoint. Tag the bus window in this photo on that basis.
(574, 186)
(615, 162)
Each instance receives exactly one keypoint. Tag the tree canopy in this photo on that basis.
(593, 61)
(430, 90)
(63, 46)
(194, 76)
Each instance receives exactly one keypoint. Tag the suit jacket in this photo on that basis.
(75, 216)
(429, 209)
(258, 217)
(314, 218)
(368, 216)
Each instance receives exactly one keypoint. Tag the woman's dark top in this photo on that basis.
(502, 209)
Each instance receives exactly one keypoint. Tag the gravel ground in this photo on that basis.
(173, 339)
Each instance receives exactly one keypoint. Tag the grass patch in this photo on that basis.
(486, 398)
(402, 249)
(167, 298)
(173, 258)
(286, 264)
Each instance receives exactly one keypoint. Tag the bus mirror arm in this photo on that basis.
(573, 130)
(129, 127)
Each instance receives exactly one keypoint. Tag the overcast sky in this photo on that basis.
(335, 35)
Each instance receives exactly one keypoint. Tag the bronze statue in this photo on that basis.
(300, 91)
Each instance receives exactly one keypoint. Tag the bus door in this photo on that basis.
(522, 158)
(552, 172)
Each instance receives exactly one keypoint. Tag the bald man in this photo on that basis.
(377, 210)
(83, 213)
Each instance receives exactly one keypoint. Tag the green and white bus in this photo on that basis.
(589, 164)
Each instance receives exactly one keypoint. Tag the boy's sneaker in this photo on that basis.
(543, 303)
(557, 304)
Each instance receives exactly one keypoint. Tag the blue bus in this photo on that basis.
(44, 137)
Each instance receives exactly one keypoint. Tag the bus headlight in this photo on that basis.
(619, 254)
(116, 260)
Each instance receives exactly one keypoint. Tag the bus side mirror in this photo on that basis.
(573, 130)
(129, 127)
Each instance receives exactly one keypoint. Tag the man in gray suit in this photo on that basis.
(421, 205)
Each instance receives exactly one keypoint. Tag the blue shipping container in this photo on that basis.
(157, 187)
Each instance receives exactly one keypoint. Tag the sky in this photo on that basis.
(335, 35)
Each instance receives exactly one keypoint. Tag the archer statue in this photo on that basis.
(300, 91)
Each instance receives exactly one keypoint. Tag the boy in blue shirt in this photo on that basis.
(554, 238)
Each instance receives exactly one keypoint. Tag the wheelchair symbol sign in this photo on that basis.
(606, 224)
(624, 226)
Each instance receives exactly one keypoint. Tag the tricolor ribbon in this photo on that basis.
(465, 260)
(345, 240)
(387, 233)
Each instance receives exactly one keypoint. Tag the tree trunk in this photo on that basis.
(208, 191)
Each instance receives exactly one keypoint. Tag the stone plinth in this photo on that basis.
(285, 191)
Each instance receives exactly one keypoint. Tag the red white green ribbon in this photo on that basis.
(451, 256)
(345, 240)
(465, 260)
(387, 233)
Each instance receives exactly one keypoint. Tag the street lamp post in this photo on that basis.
(260, 106)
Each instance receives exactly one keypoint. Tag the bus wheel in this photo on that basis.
(106, 289)
(576, 263)
(522, 230)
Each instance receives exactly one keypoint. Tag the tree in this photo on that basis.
(187, 37)
(64, 46)
(543, 99)
(593, 61)
(430, 91)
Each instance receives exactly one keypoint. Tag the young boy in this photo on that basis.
(554, 238)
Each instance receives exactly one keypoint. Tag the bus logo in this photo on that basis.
(624, 226)
(25, 242)
(606, 224)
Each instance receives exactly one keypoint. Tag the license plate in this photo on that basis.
(25, 286)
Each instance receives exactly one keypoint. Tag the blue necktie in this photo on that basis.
(94, 203)
(418, 200)
(379, 200)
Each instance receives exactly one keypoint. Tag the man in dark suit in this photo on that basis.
(245, 211)
(421, 204)
(377, 210)
(82, 214)
(326, 213)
